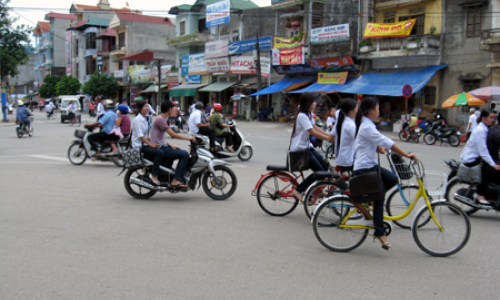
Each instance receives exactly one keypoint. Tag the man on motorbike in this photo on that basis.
(158, 129)
(174, 114)
(107, 122)
(198, 124)
(217, 126)
(23, 114)
(49, 108)
(71, 110)
(489, 174)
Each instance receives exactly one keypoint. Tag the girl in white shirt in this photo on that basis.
(303, 128)
(368, 142)
(345, 132)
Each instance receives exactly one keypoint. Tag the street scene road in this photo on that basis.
(73, 232)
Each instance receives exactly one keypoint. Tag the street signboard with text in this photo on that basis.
(218, 13)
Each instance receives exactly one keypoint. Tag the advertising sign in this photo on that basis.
(294, 69)
(118, 73)
(193, 79)
(139, 74)
(217, 48)
(330, 34)
(197, 64)
(265, 43)
(288, 56)
(165, 69)
(332, 78)
(68, 53)
(292, 42)
(246, 65)
(399, 29)
(218, 65)
(218, 13)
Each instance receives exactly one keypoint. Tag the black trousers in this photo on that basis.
(97, 138)
(210, 133)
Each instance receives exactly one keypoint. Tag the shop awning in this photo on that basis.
(153, 88)
(140, 56)
(285, 85)
(188, 90)
(218, 86)
(317, 88)
(390, 82)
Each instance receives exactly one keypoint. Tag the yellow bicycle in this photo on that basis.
(439, 228)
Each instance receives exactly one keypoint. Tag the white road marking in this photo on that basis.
(65, 159)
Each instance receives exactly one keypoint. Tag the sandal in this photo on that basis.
(298, 195)
(155, 182)
(385, 245)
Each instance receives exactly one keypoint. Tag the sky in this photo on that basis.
(32, 11)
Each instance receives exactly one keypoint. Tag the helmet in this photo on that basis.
(199, 105)
(217, 106)
(175, 103)
(20, 103)
(123, 108)
(107, 103)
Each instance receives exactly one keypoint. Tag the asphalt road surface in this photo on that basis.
(73, 232)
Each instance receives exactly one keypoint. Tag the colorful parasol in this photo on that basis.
(463, 99)
(487, 93)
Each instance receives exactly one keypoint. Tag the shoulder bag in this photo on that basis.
(132, 157)
(367, 187)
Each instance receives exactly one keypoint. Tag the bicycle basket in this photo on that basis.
(80, 133)
(435, 183)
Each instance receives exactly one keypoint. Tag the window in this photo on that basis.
(121, 40)
(235, 37)
(90, 39)
(390, 17)
(418, 29)
(202, 25)
(474, 21)
(430, 95)
(90, 65)
(77, 46)
(182, 28)
(471, 85)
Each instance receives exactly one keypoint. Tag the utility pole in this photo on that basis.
(259, 79)
(158, 66)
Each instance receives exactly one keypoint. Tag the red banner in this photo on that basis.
(332, 62)
(289, 56)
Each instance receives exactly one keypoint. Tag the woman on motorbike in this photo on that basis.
(345, 130)
(476, 151)
(303, 128)
(369, 141)
(140, 139)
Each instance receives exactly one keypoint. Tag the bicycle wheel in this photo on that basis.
(456, 188)
(325, 145)
(318, 192)
(274, 195)
(329, 152)
(455, 231)
(326, 221)
(395, 205)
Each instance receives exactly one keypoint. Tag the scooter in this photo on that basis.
(10, 109)
(80, 149)
(178, 124)
(463, 193)
(22, 128)
(410, 133)
(242, 148)
(219, 182)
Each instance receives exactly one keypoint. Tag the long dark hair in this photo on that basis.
(306, 100)
(347, 105)
(366, 105)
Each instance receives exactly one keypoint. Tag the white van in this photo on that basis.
(64, 102)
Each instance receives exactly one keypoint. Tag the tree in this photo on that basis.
(101, 85)
(68, 85)
(48, 88)
(14, 42)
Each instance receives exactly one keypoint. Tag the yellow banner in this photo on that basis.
(296, 41)
(332, 78)
(399, 29)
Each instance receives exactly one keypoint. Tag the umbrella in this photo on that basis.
(489, 92)
(463, 99)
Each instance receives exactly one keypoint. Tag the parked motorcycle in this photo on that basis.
(219, 182)
(410, 133)
(22, 128)
(242, 148)
(80, 149)
(439, 132)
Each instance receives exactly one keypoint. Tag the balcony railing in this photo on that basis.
(490, 40)
(412, 45)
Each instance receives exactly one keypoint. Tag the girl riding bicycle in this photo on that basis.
(345, 130)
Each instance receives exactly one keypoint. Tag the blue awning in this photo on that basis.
(318, 88)
(390, 82)
(284, 85)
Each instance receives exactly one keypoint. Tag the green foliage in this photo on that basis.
(13, 42)
(68, 85)
(365, 42)
(101, 85)
(48, 88)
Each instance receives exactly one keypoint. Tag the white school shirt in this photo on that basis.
(476, 146)
(345, 154)
(367, 141)
(140, 129)
(100, 109)
(301, 139)
(472, 122)
(194, 118)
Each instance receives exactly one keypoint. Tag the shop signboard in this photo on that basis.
(218, 13)
(291, 42)
(68, 52)
(265, 43)
(246, 65)
(332, 64)
(118, 73)
(399, 29)
(165, 69)
(304, 69)
(217, 48)
(218, 65)
(332, 78)
(288, 56)
(193, 79)
(193, 64)
(330, 34)
(139, 74)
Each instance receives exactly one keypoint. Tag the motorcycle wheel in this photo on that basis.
(245, 153)
(19, 132)
(402, 136)
(227, 186)
(76, 154)
(457, 187)
(454, 140)
(136, 191)
(429, 139)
